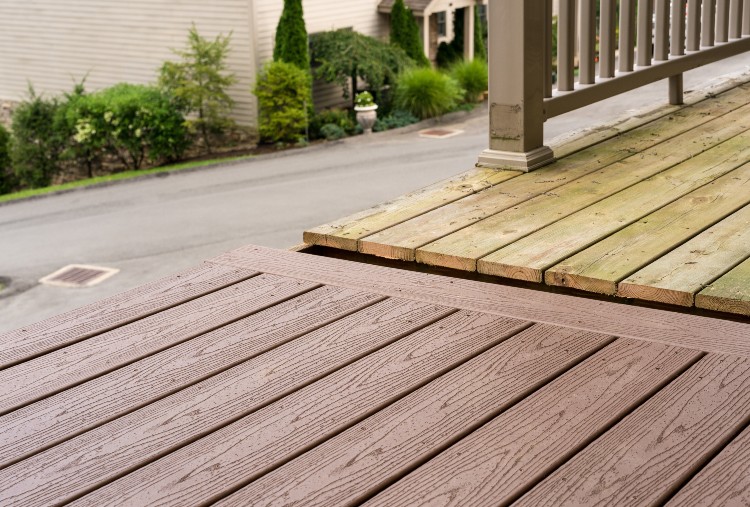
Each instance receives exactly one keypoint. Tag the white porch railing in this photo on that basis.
(658, 39)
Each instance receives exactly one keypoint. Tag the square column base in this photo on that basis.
(516, 161)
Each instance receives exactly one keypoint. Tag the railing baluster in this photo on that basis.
(661, 46)
(746, 17)
(677, 35)
(722, 21)
(547, 48)
(645, 31)
(735, 19)
(588, 42)
(607, 33)
(566, 32)
(694, 25)
(627, 35)
(708, 24)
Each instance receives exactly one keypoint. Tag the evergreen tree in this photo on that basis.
(480, 36)
(405, 33)
(291, 37)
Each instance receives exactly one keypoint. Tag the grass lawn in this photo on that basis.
(126, 175)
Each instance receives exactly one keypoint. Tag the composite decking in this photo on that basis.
(658, 209)
(267, 377)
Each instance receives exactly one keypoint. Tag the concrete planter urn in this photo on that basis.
(366, 108)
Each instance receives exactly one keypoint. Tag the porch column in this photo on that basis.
(426, 34)
(516, 66)
(469, 33)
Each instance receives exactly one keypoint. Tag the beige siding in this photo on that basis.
(51, 43)
(321, 15)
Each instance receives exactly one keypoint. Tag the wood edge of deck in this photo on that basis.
(627, 289)
(560, 278)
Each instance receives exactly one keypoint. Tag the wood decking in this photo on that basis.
(267, 377)
(657, 210)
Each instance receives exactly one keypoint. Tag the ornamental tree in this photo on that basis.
(291, 37)
(405, 33)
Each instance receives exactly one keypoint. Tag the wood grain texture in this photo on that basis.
(343, 470)
(73, 411)
(528, 258)
(601, 266)
(66, 367)
(462, 249)
(730, 293)
(701, 333)
(724, 481)
(502, 459)
(643, 459)
(345, 233)
(686, 270)
(106, 452)
(120, 309)
(204, 470)
(402, 241)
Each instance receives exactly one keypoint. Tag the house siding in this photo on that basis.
(53, 43)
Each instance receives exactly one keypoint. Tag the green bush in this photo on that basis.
(7, 179)
(447, 55)
(480, 36)
(331, 131)
(338, 117)
(283, 92)
(405, 33)
(37, 141)
(132, 122)
(427, 93)
(396, 119)
(472, 76)
(291, 37)
(199, 83)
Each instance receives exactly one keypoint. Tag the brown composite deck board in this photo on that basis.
(275, 434)
(507, 456)
(699, 333)
(120, 309)
(73, 411)
(106, 452)
(724, 481)
(45, 375)
(654, 450)
(483, 384)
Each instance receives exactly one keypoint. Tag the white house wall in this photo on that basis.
(52, 43)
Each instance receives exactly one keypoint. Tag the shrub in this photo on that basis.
(283, 92)
(7, 180)
(132, 122)
(396, 119)
(199, 83)
(480, 36)
(472, 76)
(405, 33)
(291, 37)
(426, 93)
(343, 56)
(331, 131)
(447, 55)
(37, 141)
(364, 99)
(338, 117)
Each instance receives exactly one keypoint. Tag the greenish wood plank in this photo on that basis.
(730, 293)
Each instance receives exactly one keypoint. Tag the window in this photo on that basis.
(442, 24)
(483, 14)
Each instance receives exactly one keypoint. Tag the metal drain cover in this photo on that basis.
(78, 275)
(439, 133)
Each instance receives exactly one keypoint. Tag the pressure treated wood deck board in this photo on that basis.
(462, 249)
(115, 311)
(528, 258)
(654, 450)
(268, 438)
(64, 415)
(78, 464)
(334, 392)
(686, 270)
(506, 457)
(730, 293)
(402, 240)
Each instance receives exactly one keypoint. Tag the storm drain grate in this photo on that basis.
(439, 133)
(78, 275)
